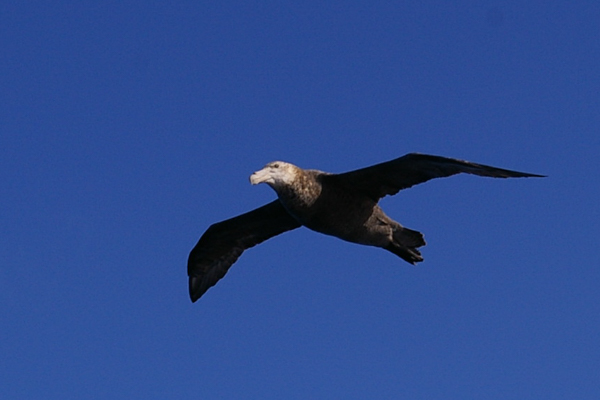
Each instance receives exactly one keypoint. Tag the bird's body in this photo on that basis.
(337, 210)
(341, 205)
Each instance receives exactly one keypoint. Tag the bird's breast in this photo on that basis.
(336, 214)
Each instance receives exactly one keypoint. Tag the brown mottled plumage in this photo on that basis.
(341, 205)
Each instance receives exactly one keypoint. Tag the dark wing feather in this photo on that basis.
(390, 177)
(223, 242)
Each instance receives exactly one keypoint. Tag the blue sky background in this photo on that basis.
(127, 128)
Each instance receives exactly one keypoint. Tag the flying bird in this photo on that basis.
(342, 205)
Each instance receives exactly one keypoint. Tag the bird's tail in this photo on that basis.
(405, 244)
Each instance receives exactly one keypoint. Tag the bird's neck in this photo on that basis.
(302, 192)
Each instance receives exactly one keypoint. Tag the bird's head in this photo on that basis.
(275, 174)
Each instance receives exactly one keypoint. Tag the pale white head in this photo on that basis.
(275, 174)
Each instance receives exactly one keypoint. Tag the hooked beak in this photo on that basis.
(260, 176)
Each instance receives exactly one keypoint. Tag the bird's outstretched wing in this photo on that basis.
(223, 242)
(390, 177)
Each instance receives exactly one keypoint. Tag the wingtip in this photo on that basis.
(530, 175)
(194, 287)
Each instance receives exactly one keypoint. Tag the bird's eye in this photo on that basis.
(275, 165)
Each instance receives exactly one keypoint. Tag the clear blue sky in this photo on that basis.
(127, 128)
